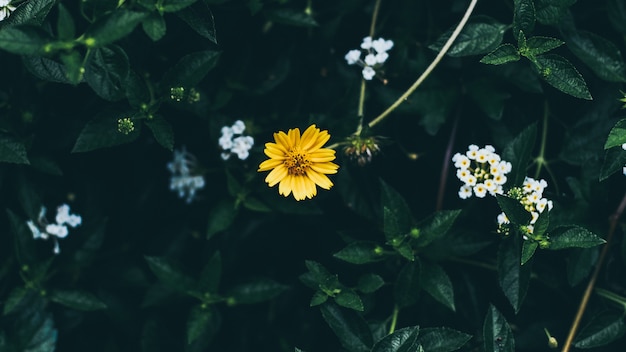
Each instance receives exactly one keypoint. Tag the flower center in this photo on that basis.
(297, 162)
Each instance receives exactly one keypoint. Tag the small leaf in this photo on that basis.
(255, 291)
(349, 299)
(174, 5)
(101, 132)
(79, 300)
(518, 152)
(474, 39)
(318, 298)
(617, 136)
(65, 24)
(349, 327)
(168, 273)
(107, 72)
(614, 160)
(442, 339)
(112, 27)
(401, 340)
(503, 54)
(369, 283)
(600, 54)
(12, 150)
(497, 334)
(162, 132)
(603, 329)
(541, 45)
(514, 210)
(562, 75)
(360, 252)
(200, 18)
(513, 276)
(573, 236)
(407, 286)
(580, 262)
(523, 16)
(291, 18)
(397, 218)
(541, 225)
(190, 69)
(221, 217)
(137, 91)
(30, 12)
(23, 40)
(550, 12)
(46, 69)
(436, 226)
(528, 249)
(202, 321)
(437, 283)
(211, 274)
(154, 26)
(15, 297)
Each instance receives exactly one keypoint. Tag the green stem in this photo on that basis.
(430, 68)
(394, 319)
(540, 159)
(612, 297)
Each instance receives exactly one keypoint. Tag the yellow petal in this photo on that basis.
(309, 137)
(282, 139)
(294, 136)
(284, 187)
(276, 175)
(319, 179)
(269, 164)
(322, 138)
(274, 153)
(280, 149)
(325, 168)
(311, 190)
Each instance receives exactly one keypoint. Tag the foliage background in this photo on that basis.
(134, 275)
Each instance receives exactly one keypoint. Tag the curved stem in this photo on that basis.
(592, 281)
(446, 164)
(394, 319)
(430, 67)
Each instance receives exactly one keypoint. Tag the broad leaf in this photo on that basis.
(497, 334)
(23, 40)
(349, 326)
(514, 210)
(211, 274)
(436, 226)
(170, 274)
(617, 136)
(603, 329)
(397, 218)
(600, 54)
(101, 132)
(221, 216)
(523, 17)
(79, 300)
(513, 276)
(349, 299)
(12, 150)
(202, 322)
(112, 27)
(162, 131)
(518, 152)
(369, 283)
(614, 161)
(402, 340)
(190, 70)
(503, 54)
(474, 39)
(562, 75)
(360, 252)
(551, 11)
(442, 339)
(107, 72)
(437, 283)
(154, 26)
(200, 18)
(407, 286)
(540, 45)
(255, 291)
(573, 236)
(528, 249)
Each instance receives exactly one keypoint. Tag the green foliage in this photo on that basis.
(497, 334)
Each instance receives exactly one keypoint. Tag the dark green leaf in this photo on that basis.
(600, 54)
(349, 326)
(528, 249)
(73, 66)
(614, 160)
(154, 26)
(46, 69)
(170, 275)
(318, 298)
(137, 91)
(79, 300)
(107, 72)
(101, 132)
(523, 17)
(435, 226)
(580, 263)
(12, 150)
(190, 70)
(401, 340)
(503, 54)
(442, 339)
(162, 132)
(349, 299)
(405, 250)
(603, 329)
(514, 210)
(200, 18)
(616, 11)
(518, 152)
(436, 282)
(174, 5)
(397, 218)
(320, 274)
(573, 236)
(65, 24)
(551, 11)
(113, 27)
(15, 297)
(541, 225)
(407, 286)
(474, 39)
(30, 12)
(513, 276)
(360, 252)
(369, 283)
(255, 291)
(211, 274)
(23, 40)
(497, 334)
(541, 45)
(562, 75)
(617, 136)
(202, 322)
(291, 17)
(221, 217)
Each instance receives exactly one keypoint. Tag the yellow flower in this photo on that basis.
(298, 163)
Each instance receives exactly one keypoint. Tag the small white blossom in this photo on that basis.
(381, 45)
(624, 146)
(368, 73)
(238, 127)
(44, 230)
(465, 192)
(353, 56)
(502, 219)
(480, 190)
(482, 170)
(370, 60)
(233, 142)
(185, 179)
(5, 9)
(375, 55)
(367, 43)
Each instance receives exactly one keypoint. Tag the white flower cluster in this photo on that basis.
(6, 9)
(233, 141)
(376, 55)
(481, 170)
(44, 230)
(531, 197)
(185, 179)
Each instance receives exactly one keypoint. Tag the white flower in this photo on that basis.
(35, 230)
(465, 192)
(185, 179)
(502, 219)
(499, 179)
(367, 43)
(482, 169)
(227, 131)
(57, 230)
(353, 56)
(472, 151)
(505, 167)
(381, 45)
(64, 216)
(480, 190)
(381, 58)
(238, 127)
(624, 146)
(490, 185)
(370, 60)
(44, 230)
(461, 162)
(225, 142)
(235, 142)
(5, 9)
(368, 73)
(482, 155)
(225, 155)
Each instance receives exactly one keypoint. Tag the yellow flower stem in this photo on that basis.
(394, 319)
(430, 68)
(592, 281)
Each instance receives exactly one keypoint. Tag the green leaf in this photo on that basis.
(503, 54)
(23, 40)
(190, 69)
(518, 152)
(401, 340)
(255, 291)
(170, 275)
(15, 297)
(562, 75)
(45, 69)
(497, 334)
(436, 226)
(12, 150)
(318, 298)
(514, 210)
(319, 273)
(528, 249)
(349, 326)
(601, 55)
(101, 132)
(65, 24)
(137, 91)
(291, 18)
(614, 160)
(107, 72)
(154, 26)
(397, 218)
(211, 274)
(551, 11)
(202, 322)
(75, 299)
(617, 136)
(580, 262)
(162, 132)
(112, 27)
(442, 339)
(360, 252)
(474, 39)
(513, 276)
(523, 17)
(200, 18)
(407, 286)
(616, 11)
(541, 225)
(436, 283)
(30, 12)
(73, 66)
(603, 329)
(349, 299)
(369, 283)
(174, 5)
(221, 217)
(541, 45)
(573, 236)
